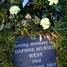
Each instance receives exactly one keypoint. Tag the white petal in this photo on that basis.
(40, 38)
(46, 27)
(45, 22)
(55, 1)
(50, 3)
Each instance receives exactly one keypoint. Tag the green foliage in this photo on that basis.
(2, 14)
(6, 48)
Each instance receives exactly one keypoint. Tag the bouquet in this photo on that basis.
(30, 17)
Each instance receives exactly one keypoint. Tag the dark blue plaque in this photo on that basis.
(31, 52)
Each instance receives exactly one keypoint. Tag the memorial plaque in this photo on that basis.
(31, 52)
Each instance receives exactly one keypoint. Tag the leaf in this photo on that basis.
(12, 1)
(58, 8)
(40, 38)
(1, 1)
(37, 20)
(8, 25)
(47, 35)
(54, 35)
(2, 13)
(1, 26)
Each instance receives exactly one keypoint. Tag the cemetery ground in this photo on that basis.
(58, 38)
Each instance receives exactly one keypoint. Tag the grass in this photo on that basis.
(6, 47)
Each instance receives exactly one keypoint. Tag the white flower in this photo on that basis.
(53, 1)
(14, 10)
(45, 22)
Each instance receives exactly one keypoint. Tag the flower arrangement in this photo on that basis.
(31, 19)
